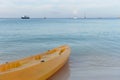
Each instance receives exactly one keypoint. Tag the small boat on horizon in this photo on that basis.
(37, 67)
(75, 17)
(25, 17)
(44, 17)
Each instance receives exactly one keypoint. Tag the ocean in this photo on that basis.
(95, 45)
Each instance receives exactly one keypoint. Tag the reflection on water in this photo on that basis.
(62, 74)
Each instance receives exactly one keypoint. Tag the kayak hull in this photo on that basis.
(38, 70)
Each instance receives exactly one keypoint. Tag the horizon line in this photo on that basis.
(61, 17)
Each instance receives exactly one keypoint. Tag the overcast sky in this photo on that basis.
(60, 8)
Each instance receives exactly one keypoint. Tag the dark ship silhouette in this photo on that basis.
(25, 17)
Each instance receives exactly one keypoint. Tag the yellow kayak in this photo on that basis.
(37, 67)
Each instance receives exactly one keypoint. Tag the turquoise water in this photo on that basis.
(95, 44)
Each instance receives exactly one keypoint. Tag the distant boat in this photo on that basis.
(45, 18)
(75, 17)
(25, 17)
(85, 16)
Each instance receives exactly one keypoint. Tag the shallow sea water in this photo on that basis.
(95, 45)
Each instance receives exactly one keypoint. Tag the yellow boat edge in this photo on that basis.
(37, 67)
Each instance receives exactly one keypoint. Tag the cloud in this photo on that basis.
(59, 8)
